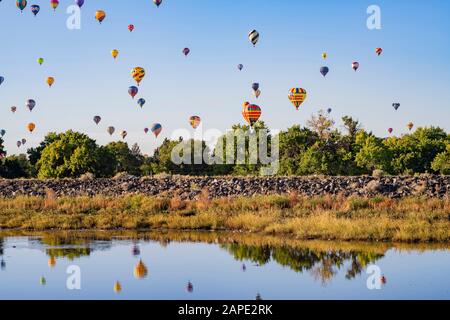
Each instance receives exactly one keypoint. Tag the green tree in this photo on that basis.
(441, 163)
(2, 149)
(373, 153)
(34, 154)
(14, 167)
(71, 154)
(126, 160)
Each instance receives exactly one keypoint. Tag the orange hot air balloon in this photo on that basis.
(100, 15)
(50, 81)
(379, 51)
(117, 287)
(251, 113)
(140, 270)
(297, 96)
(31, 127)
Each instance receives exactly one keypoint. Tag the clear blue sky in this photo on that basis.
(413, 70)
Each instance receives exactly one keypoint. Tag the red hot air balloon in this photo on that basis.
(251, 113)
(379, 51)
(131, 28)
(390, 130)
(355, 65)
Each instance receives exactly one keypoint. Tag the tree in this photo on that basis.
(34, 154)
(441, 163)
(126, 160)
(373, 153)
(2, 150)
(321, 124)
(71, 154)
(14, 167)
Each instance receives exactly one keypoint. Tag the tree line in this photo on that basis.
(319, 148)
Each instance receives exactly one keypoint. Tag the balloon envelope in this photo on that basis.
(251, 113)
(111, 130)
(54, 4)
(79, 3)
(396, 106)
(100, 15)
(141, 102)
(31, 104)
(255, 86)
(2, 79)
(195, 121)
(355, 65)
(2, 132)
(253, 37)
(97, 119)
(131, 27)
(31, 127)
(297, 96)
(115, 53)
(50, 81)
(156, 129)
(133, 91)
(324, 71)
(40, 61)
(240, 67)
(35, 9)
(157, 2)
(379, 51)
(138, 73)
(186, 51)
(21, 4)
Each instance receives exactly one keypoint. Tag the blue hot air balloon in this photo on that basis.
(324, 71)
(240, 67)
(79, 3)
(141, 102)
(35, 9)
(1, 80)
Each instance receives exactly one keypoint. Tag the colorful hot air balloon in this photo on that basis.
(24, 142)
(18, 144)
(156, 129)
(390, 130)
(138, 74)
(2, 79)
(254, 37)
(21, 4)
(410, 126)
(35, 9)
(195, 121)
(324, 71)
(31, 126)
(50, 81)
(54, 4)
(131, 28)
(117, 287)
(111, 130)
(31, 104)
(40, 61)
(297, 96)
(100, 15)
(396, 106)
(355, 65)
(13, 109)
(123, 134)
(133, 91)
(79, 3)
(251, 113)
(146, 130)
(157, 2)
(240, 67)
(140, 271)
(324, 56)
(186, 51)
(141, 102)
(379, 51)
(2, 132)
(97, 119)
(115, 53)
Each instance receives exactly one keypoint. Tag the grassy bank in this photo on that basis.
(321, 218)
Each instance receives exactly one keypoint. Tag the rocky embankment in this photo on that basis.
(214, 187)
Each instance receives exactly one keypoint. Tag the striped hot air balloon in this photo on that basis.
(254, 37)
(195, 121)
(21, 4)
(297, 96)
(251, 113)
(54, 4)
(379, 51)
(138, 74)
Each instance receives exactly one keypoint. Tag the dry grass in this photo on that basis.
(323, 218)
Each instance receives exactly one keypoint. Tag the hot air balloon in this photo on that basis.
(190, 287)
(21, 4)
(240, 67)
(297, 96)
(79, 3)
(186, 51)
(50, 81)
(254, 37)
(257, 93)
(195, 121)
(390, 130)
(13, 109)
(111, 130)
(40, 61)
(329, 110)
(324, 71)
(24, 141)
(19, 144)
(117, 287)
(140, 270)
(2, 79)
(157, 2)
(379, 51)
(156, 129)
(100, 15)
(251, 113)
(2, 132)
(35, 9)
(31, 104)
(146, 130)
(396, 106)
(324, 56)
(97, 119)
(131, 28)
(31, 126)
(133, 91)
(115, 53)
(141, 102)
(410, 126)
(138, 74)
(123, 134)
(383, 280)
(355, 65)
(54, 4)
(255, 87)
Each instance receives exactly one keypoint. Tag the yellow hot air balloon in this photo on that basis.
(100, 15)
(51, 262)
(138, 74)
(115, 53)
(324, 55)
(117, 287)
(31, 127)
(50, 81)
(297, 96)
(140, 270)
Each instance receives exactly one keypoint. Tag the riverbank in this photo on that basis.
(418, 219)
